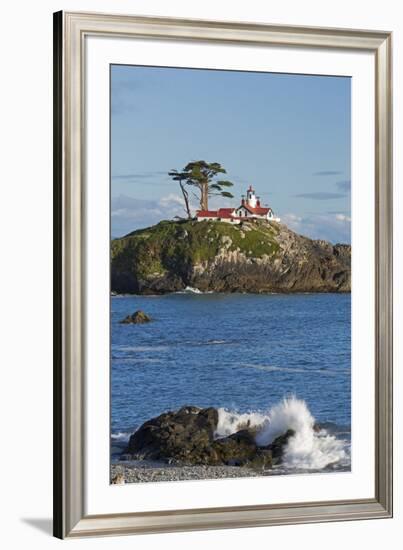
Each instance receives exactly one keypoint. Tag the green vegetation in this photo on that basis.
(176, 246)
(224, 257)
(200, 176)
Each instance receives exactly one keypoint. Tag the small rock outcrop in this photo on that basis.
(137, 318)
(187, 437)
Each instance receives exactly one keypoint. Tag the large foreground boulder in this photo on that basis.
(186, 436)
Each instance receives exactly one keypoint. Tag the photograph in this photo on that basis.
(201, 211)
(221, 359)
(230, 274)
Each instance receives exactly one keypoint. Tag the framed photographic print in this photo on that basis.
(223, 275)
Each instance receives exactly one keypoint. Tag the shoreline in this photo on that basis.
(192, 443)
(141, 471)
(146, 472)
(183, 292)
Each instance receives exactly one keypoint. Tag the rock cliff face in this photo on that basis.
(216, 256)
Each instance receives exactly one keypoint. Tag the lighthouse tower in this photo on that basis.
(251, 199)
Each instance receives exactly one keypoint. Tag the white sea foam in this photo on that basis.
(272, 368)
(230, 422)
(140, 348)
(121, 436)
(192, 290)
(308, 449)
(204, 342)
(138, 360)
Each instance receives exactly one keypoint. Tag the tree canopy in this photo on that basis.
(200, 176)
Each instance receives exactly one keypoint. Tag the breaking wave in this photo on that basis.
(309, 448)
(192, 290)
(139, 348)
(230, 422)
(272, 368)
(121, 436)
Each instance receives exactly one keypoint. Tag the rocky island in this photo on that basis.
(252, 256)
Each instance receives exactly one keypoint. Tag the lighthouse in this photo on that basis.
(250, 208)
(251, 199)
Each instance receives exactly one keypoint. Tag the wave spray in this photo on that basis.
(307, 449)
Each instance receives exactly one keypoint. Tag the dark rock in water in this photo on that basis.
(137, 318)
(186, 436)
(276, 447)
(236, 449)
(263, 459)
(240, 449)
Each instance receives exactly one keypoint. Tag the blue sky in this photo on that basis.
(287, 135)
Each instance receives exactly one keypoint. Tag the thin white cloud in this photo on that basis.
(327, 173)
(335, 227)
(170, 201)
(343, 218)
(132, 177)
(320, 196)
(128, 213)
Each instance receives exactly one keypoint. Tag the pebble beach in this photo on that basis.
(135, 472)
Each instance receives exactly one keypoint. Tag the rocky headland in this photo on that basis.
(255, 257)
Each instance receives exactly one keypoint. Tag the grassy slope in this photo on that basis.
(176, 245)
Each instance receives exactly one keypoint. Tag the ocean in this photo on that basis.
(278, 358)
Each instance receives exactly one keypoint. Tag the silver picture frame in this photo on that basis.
(70, 33)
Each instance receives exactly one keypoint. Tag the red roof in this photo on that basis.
(260, 210)
(221, 213)
(207, 214)
(227, 212)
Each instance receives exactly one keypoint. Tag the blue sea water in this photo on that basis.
(242, 352)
